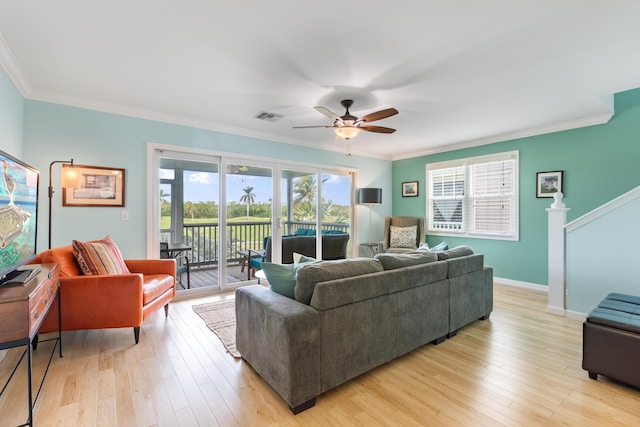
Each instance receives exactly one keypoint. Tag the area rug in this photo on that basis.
(220, 317)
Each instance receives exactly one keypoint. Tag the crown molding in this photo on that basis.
(556, 127)
(186, 121)
(10, 65)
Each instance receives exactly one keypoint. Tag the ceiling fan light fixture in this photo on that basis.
(347, 132)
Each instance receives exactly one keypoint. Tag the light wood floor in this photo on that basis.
(521, 367)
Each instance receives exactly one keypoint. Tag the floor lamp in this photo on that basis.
(65, 179)
(370, 196)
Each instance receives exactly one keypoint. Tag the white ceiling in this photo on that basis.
(460, 72)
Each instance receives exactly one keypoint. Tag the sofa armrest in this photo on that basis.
(280, 338)
(152, 266)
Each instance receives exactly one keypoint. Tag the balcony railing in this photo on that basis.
(205, 249)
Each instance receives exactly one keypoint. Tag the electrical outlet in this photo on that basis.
(124, 215)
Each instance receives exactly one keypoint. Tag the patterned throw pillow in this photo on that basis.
(99, 257)
(403, 237)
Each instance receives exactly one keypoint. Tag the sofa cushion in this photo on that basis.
(305, 232)
(312, 273)
(350, 290)
(282, 277)
(456, 252)
(392, 261)
(99, 257)
(462, 265)
(403, 237)
(154, 285)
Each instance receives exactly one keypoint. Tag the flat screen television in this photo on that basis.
(18, 220)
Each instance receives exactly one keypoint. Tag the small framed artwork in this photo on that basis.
(410, 189)
(548, 183)
(93, 186)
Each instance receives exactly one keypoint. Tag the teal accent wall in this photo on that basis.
(11, 117)
(57, 132)
(599, 162)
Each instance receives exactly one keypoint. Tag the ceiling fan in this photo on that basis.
(348, 126)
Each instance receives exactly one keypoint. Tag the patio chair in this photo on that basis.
(182, 263)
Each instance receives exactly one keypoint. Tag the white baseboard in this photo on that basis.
(559, 311)
(519, 284)
(576, 315)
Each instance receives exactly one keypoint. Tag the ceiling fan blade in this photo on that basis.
(303, 127)
(327, 113)
(379, 115)
(379, 129)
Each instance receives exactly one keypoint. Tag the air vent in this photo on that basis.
(269, 117)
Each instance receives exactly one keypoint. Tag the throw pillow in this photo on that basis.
(99, 257)
(403, 237)
(282, 277)
(300, 258)
(442, 246)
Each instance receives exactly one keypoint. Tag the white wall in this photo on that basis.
(603, 256)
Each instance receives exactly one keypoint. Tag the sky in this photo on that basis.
(203, 186)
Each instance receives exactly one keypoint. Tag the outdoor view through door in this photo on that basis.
(189, 200)
(249, 206)
(311, 203)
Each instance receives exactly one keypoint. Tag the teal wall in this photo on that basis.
(56, 132)
(599, 163)
(11, 110)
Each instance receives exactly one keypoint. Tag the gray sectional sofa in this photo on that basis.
(350, 316)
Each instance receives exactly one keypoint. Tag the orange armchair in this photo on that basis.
(109, 301)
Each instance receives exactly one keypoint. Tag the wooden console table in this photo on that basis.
(22, 310)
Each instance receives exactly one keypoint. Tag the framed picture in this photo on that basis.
(410, 189)
(548, 183)
(93, 186)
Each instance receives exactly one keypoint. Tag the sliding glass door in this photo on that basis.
(189, 204)
(249, 195)
(215, 214)
(315, 203)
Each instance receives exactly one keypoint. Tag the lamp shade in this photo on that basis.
(347, 132)
(369, 195)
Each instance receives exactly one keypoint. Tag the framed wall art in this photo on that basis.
(548, 183)
(410, 189)
(94, 186)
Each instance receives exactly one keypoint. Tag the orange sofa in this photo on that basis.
(109, 301)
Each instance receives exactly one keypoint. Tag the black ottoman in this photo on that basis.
(611, 339)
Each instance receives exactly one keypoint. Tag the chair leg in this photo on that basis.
(188, 279)
(166, 310)
(136, 333)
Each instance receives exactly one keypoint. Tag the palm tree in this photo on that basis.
(305, 189)
(248, 197)
(163, 196)
(190, 208)
(327, 208)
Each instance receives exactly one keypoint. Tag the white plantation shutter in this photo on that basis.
(447, 192)
(474, 197)
(491, 194)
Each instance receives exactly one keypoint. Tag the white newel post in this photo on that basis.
(556, 283)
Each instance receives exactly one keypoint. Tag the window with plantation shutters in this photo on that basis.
(474, 197)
